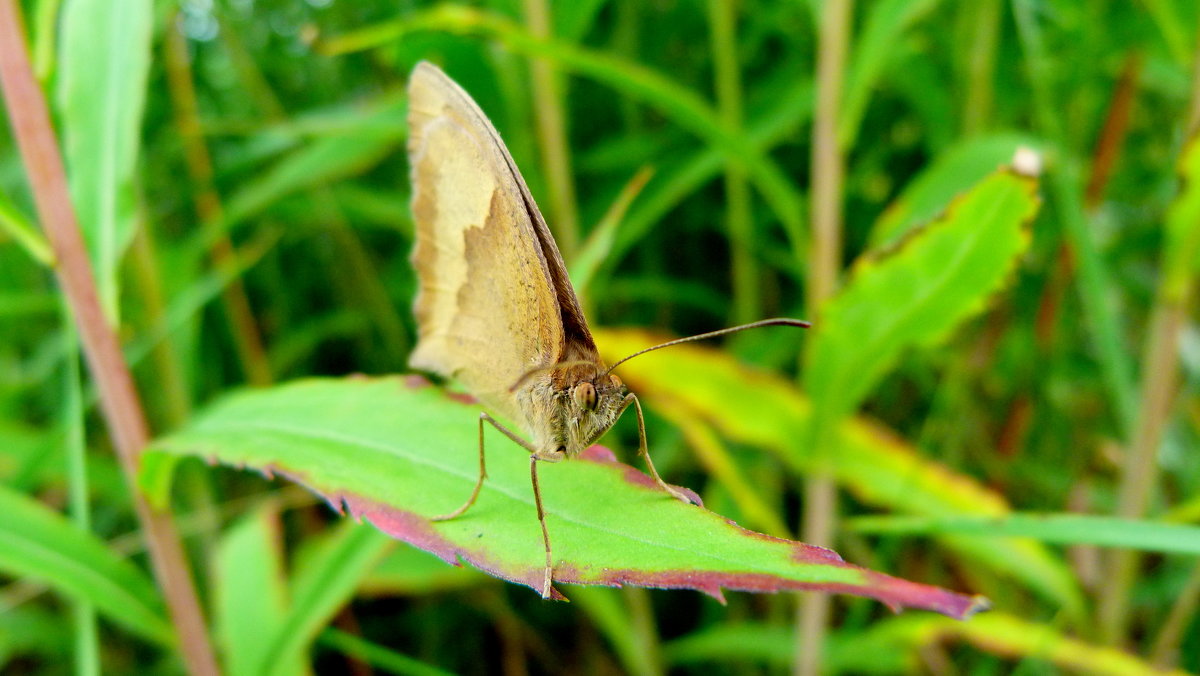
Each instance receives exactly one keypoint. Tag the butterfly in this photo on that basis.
(495, 309)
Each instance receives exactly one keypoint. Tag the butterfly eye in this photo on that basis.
(615, 380)
(585, 395)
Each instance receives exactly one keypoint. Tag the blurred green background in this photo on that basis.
(239, 168)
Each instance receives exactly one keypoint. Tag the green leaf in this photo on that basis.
(41, 544)
(395, 451)
(762, 409)
(323, 583)
(17, 225)
(1182, 249)
(103, 70)
(1062, 529)
(916, 295)
(250, 591)
(953, 172)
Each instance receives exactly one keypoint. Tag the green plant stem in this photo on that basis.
(1160, 378)
(168, 368)
(981, 64)
(727, 81)
(548, 107)
(824, 262)
(641, 621)
(30, 118)
(1164, 654)
(1160, 368)
(87, 647)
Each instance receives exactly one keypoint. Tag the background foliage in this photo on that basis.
(239, 171)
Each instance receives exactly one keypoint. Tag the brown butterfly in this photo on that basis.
(495, 309)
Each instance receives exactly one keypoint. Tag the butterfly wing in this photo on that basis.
(493, 300)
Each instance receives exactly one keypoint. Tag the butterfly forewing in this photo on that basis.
(493, 299)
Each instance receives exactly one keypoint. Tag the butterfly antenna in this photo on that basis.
(780, 321)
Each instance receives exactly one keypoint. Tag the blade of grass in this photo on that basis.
(376, 655)
(17, 226)
(40, 544)
(1062, 529)
(250, 591)
(87, 649)
(103, 69)
(320, 586)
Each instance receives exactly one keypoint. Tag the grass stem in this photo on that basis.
(824, 265)
(727, 80)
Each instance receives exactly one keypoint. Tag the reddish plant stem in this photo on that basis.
(119, 401)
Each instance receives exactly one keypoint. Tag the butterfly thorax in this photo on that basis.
(569, 408)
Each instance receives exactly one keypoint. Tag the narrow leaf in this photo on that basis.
(41, 544)
(321, 585)
(251, 590)
(103, 70)
(1063, 529)
(873, 52)
(394, 452)
(322, 160)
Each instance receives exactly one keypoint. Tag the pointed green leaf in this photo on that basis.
(916, 295)
(103, 69)
(395, 452)
(40, 544)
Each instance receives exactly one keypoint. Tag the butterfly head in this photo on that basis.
(584, 409)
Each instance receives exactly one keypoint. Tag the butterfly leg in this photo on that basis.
(483, 417)
(645, 453)
(537, 499)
